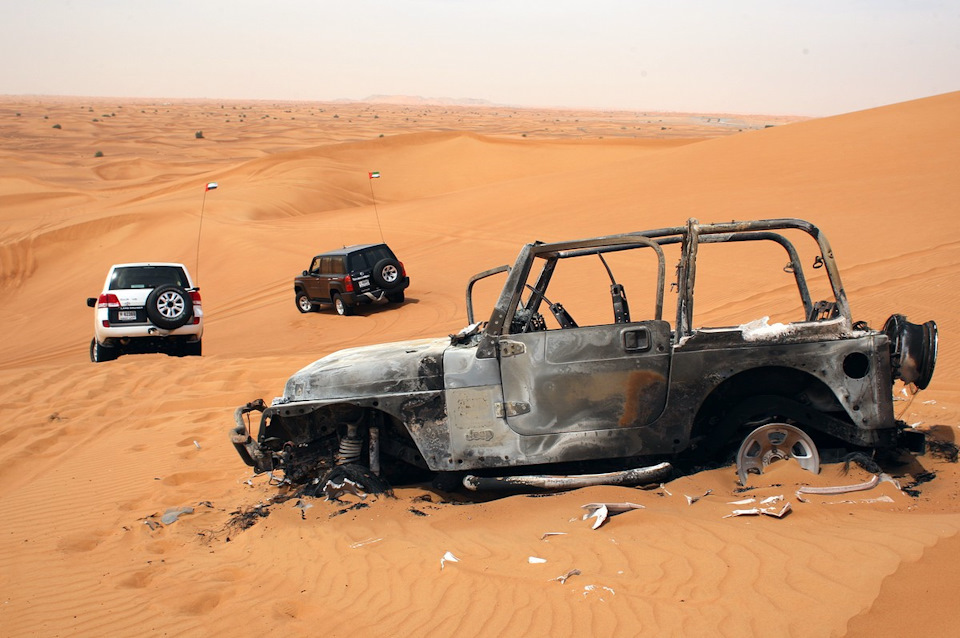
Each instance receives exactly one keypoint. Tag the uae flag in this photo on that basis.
(374, 174)
(211, 186)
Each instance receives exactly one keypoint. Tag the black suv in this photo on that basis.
(350, 276)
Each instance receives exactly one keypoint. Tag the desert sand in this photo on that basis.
(92, 455)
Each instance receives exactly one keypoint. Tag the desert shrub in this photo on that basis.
(57, 126)
(98, 154)
(198, 135)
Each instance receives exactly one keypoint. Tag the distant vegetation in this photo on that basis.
(198, 135)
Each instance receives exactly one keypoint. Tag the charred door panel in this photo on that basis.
(585, 379)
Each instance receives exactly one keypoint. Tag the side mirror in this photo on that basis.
(305, 273)
(91, 302)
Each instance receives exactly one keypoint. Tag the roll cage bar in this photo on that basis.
(690, 236)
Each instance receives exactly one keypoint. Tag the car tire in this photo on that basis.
(191, 349)
(386, 273)
(395, 297)
(169, 307)
(303, 302)
(341, 306)
(99, 354)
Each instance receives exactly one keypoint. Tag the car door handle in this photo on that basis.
(636, 340)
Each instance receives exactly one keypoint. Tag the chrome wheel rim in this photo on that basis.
(390, 273)
(304, 303)
(776, 442)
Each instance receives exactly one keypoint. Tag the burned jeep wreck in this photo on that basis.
(566, 384)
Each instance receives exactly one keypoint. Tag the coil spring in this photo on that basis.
(350, 449)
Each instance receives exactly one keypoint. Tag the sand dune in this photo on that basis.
(91, 455)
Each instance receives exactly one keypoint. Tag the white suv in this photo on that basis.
(146, 307)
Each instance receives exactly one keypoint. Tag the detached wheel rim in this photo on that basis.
(776, 442)
(170, 305)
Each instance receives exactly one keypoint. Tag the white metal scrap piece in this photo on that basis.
(601, 511)
(693, 499)
(448, 558)
(563, 579)
(756, 511)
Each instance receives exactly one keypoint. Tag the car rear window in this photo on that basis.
(368, 258)
(147, 277)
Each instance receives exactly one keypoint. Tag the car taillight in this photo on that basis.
(403, 271)
(347, 284)
(195, 297)
(108, 301)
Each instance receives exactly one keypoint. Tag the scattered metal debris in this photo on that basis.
(601, 511)
(693, 499)
(171, 515)
(756, 511)
(448, 558)
(549, 534)
(535, 560)
(588, 589)
(563, 579)
(369, 541)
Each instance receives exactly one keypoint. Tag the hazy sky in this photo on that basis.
(808, 57)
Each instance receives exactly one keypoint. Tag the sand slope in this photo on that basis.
(92, 456)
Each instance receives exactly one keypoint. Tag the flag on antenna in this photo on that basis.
(210, 186)
(374, 174)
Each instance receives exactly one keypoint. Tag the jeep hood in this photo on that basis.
(370, 371)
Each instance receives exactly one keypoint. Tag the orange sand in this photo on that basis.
(90, 453)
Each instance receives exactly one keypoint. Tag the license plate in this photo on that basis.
(364, 283)
(127, 315)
